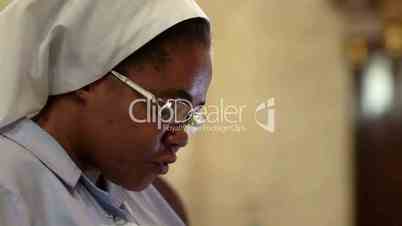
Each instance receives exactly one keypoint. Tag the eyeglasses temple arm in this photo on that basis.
(133, 85)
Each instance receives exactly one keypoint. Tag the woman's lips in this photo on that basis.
(161, 164)
(169, 157)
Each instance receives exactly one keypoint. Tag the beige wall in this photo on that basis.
(300, 175)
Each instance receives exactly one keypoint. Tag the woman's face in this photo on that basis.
(131, 153)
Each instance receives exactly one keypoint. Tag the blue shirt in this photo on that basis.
(41, 186)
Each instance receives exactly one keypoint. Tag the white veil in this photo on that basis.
(50, 47)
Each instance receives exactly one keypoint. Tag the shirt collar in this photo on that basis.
(114, 195)
(42, 145)
(114, 192)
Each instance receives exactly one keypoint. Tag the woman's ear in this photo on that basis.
(92, 90)
(80, 96)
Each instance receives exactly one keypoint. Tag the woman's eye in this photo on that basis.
(166, 113)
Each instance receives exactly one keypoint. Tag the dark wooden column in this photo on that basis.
(374, 41)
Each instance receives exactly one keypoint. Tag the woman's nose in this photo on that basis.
(176, 139)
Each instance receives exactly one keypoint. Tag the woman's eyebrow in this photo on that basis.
(177, 93)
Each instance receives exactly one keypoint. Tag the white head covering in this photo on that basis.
(50, 47)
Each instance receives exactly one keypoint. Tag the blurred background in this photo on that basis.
(301, 174)
(313, 88)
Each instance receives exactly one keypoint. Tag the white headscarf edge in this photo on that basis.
(50, 47)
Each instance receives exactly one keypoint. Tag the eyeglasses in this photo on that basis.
(178, 112)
